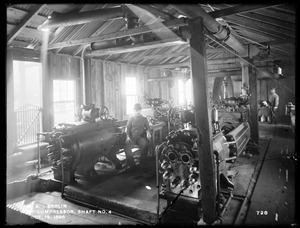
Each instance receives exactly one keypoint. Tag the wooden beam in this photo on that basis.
(272, 21)
(209, 74)
(25, 54)
(171, 65)
(155, 27)
(237, 9)
(253, 105)
(276, 14)
(156, 12)
(278, 42)
(137, 47)
(203, 120)
(169, 55)
(75, 18)
(161, 56)
(260, 27)
(26, 32)
(222, 74)
(23, 23)
(62, 8)
(11, 122)
(18, 14)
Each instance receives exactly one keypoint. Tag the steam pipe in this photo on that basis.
(216, 29)
(82, 17)
(143, 38)
(83, 75)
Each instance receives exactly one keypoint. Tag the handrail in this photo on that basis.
(24, 117)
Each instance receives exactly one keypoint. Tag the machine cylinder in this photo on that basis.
(215, 116)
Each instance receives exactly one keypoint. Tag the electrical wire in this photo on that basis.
(170, 205)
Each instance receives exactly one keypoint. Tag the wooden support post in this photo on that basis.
(47, 93)
(203, 119)
(253, 105)
(245, 76)
(10, 114)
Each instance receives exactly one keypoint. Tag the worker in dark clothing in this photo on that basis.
(274, 102)
(138, 131)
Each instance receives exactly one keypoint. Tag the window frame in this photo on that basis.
(66, 100)
(130, 93)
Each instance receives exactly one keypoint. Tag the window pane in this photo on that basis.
(130, 85)
(64, 101)
(185, 92)
(27, 83)
(56, 95)
(130, 101)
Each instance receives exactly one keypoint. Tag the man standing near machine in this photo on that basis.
(274, 102)
(137, 131)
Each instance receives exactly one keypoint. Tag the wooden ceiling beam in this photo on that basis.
(242, 25)
(119, 34)
(18, 14)
(272, 21)
(156, 12)
(263, 28)
(278, 15)
(171, 65)
(27, 33)
(279, 42)
(159, 56)
(238, 9)
(24, 22)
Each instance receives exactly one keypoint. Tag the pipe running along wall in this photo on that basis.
(133, 21)
(83, 75)
(69, 19)
(219, 31)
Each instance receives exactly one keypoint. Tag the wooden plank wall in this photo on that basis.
(62, 68)
(285, 88)
(105, 85)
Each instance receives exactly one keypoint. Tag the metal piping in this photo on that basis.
(82, 18)
(83, 75)
(133, 21)
(219, 31)
(143, 38)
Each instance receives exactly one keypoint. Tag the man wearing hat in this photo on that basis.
(274, 101)
(137, 131)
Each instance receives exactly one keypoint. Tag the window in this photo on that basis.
(64, 95)
(27, 83)
(185, 95)
(131, 94)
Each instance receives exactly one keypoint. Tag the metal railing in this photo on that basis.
(28, 119)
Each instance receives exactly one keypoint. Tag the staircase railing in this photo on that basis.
(28, 118)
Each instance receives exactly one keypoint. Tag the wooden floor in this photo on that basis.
(50, 208)
(272, 199)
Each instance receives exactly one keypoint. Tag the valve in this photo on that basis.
(175, 182)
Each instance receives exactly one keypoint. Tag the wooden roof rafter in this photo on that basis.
(24, 22)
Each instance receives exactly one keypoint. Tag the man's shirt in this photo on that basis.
(274, 100)
(137, 126)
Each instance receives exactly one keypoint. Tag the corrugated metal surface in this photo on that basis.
(261, 25)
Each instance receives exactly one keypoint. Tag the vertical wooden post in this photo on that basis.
(47, 92)
(103, 86)
(10, 114)
(253, 105)
(203, 119)
(245, 76)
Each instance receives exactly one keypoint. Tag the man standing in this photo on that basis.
(274, 102)
(137, 131)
